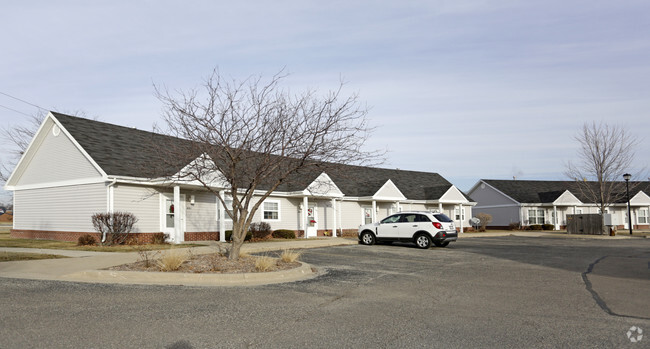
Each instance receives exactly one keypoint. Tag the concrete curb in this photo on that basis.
(550, 235)
(187, 279)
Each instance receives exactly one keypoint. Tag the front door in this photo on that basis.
(169, 212)
(312, 221)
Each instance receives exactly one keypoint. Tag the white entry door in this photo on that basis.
(312, 221)
(168, 215)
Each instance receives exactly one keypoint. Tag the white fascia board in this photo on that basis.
(79, 181)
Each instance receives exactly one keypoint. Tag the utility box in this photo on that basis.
(589, 224)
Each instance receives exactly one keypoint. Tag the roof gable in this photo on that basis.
(323, 186)
(567, 198)
(453, 195)
(640, 199)
(53, 156)
(389, 192)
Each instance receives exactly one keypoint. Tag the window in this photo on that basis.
(228, 207)
(367, 215)
(535, 216)
(391, 219)
(643, 216)
(456, 211)
(271, 210)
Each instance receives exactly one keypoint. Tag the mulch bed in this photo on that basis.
(207, 263)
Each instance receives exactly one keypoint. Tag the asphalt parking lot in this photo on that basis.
(505, 292)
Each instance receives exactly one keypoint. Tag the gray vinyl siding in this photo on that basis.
(501, 216)
(351, 215)
(488, 196)
(143, 202)
(65, 208)
(56, 159)
(201, 216)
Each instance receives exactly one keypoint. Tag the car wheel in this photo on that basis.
(441, 244)
(423, 241)
(367, 238)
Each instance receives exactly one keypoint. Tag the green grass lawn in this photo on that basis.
(7, 241)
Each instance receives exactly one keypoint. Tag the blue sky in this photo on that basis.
(468, 89)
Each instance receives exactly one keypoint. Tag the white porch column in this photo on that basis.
(460, 209)
(399, 207)
(374, 211)
(222, 217)
(177, 215)
(440, 207)
(333, 217)
(555, 218)
(305, 207)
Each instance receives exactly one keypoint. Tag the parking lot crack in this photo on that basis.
(599, 300)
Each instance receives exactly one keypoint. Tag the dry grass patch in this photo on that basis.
(265, 263)
(22, 256)
(290, 256)
(172, 259)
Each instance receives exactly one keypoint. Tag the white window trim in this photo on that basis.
(279, 210)
(536, 216)
(225, 214)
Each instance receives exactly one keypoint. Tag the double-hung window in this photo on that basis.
(271, 210)
(643, 216)
(535, 216)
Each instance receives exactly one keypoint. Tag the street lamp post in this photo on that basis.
(627, 177)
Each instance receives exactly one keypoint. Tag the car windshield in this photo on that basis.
(441, 217)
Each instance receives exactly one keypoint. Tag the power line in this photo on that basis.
(17, 111)
(18, 99)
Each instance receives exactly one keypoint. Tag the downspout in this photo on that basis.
(110, 203)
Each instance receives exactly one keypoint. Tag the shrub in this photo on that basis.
(260, 231)
(116, 226)
(514, 226)
(284, 234)
(171, 260)
(536, 227)
(289, 256)
(264, 263)
(249, 236)
(159, 238)
(484, 219)
(86, 240)
(548, 227)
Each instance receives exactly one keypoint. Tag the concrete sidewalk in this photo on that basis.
(88, 266)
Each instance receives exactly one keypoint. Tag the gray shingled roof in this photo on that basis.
(525, 191)
(124, 151)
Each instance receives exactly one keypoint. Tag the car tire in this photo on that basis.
(367, 238)
(441, 244)
(422, 241)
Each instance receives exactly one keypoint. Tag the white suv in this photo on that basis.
(420, 227)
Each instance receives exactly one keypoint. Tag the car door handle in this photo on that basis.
(394, 226)
(415, 225)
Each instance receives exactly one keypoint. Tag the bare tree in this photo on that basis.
(252, 135)
(18, 137)
(606, 153)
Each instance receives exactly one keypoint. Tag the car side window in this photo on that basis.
(422, 218)
(408, 218)
(391, 219)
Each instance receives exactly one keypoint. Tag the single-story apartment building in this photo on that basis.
(76, 167)
(530, 202)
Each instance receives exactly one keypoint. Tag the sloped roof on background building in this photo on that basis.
(530, 191)
(124, 151)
